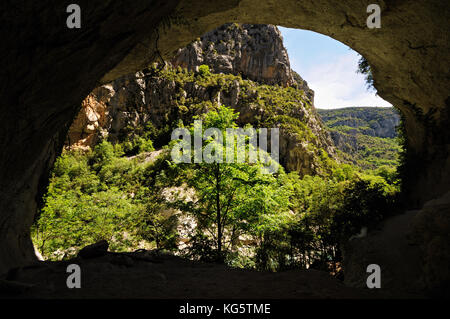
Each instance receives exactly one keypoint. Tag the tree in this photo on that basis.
(232, 198)
(155, 224)
(364, 68)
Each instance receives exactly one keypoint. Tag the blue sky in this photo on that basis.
(329, 67)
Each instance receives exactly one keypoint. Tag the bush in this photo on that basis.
(204, 71)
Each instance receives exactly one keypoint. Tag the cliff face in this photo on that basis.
(255, 51)
(91, 119)
(254, 54)
(108, 110)
(347, 124)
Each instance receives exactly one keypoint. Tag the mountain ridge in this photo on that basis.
(365, 136)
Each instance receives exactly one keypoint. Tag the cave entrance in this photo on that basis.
(117, 179)
(117, 39)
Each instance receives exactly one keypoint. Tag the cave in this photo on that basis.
(49, 69)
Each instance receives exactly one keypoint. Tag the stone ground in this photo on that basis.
(147, 275)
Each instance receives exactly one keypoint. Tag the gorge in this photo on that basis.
(49, 70)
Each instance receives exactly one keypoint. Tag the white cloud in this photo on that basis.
(336, 84)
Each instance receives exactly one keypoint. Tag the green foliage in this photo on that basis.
(204, 71)
(100, 195)
(364, 68)
(234, 198)
(327, 212)
(243, 216)
(137, 145)
(358, 143)
(70, 221)
(156, 226)
(103, 154)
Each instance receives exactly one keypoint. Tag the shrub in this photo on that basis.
(204, 71)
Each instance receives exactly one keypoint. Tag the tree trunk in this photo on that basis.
(219, 223)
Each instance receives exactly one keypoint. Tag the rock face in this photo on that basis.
(43, 58)
(107, 110)
(430, 232)
(296, 153)
(49, 69)
(91, 118)
(388, 247)
(255, 52)
(412, 251)
(95, 250)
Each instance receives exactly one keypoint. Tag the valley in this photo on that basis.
(116, 179)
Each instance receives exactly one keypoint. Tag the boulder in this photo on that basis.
(95, 250)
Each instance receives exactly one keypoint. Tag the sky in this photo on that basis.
(329, 67)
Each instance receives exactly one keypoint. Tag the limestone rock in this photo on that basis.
(374, 121)
(411, 249)
(430, 233)
(377, 121)
(91, 118)
(390, 248)
(107, 110)
(254, 50)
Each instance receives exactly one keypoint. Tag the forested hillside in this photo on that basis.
(366, 136)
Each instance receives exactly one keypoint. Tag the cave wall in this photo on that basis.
(49, 69)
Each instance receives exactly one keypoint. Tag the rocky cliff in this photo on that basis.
(108, 110)
(255, 51)
(249, 71)
(347, 124)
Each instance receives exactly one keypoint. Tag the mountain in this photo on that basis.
(253, 50)
(244, 67)
(366, 136)
(372, 121)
